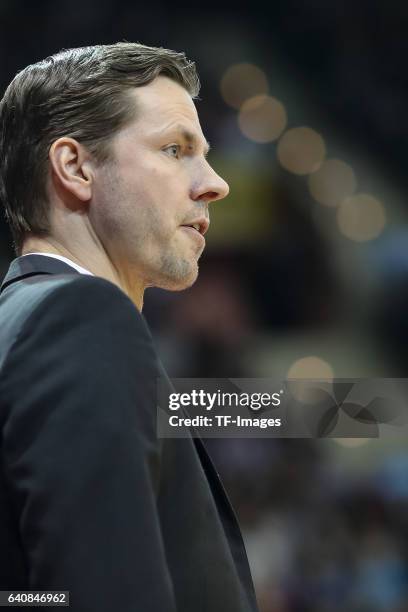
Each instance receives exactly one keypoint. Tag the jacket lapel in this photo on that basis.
(226, 512)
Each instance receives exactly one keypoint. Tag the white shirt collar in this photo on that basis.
(64, 259)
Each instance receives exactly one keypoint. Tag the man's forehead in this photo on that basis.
(162, 98)
(164, 107)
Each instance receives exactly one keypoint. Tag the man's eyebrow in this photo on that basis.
(189, 137)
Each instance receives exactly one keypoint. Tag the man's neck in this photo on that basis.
(97, 263)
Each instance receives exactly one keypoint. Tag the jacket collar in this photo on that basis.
(31, 265)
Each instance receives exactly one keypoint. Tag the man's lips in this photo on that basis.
(199, 225)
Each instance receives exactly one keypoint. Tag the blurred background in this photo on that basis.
(305, 104)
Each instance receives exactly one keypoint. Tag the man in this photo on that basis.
(106, 189)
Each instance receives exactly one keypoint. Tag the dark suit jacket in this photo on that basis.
(91, 501)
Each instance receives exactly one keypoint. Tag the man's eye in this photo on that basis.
(174, 150)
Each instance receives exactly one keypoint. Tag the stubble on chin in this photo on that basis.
(176, 273)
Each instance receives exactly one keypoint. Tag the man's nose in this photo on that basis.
(211, 188)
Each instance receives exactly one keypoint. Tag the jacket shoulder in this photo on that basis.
(84, 344)
(25, 295)
(51, 302)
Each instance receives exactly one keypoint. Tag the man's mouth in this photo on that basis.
(199, 225)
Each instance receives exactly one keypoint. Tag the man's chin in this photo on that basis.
(177, 282)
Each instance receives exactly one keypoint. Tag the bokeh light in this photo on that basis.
(242, 81)
(301, 150)
(312, 367)
(262, 118)
(332, 183)
(361, 217)
(308, 368)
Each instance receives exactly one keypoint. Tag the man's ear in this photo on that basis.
(72, 167)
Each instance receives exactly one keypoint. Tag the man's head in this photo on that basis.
(104, 143)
